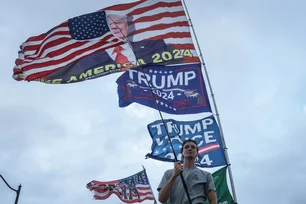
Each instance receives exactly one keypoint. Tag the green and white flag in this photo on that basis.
(223, 194)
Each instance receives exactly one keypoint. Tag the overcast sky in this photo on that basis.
(54, 139)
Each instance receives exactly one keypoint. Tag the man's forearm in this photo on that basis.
(212, 197)
(164, 192)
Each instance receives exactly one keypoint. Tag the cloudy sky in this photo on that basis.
(54, 139)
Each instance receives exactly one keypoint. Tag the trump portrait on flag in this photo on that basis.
(108, 41)
(130, 52)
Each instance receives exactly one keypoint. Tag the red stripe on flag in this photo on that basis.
(40, 75)
(171, 35)
(157, 5)
(209, 148)
(191, 59)
(159, 16)
(67, 58)
(42, 36)
(122, 7)
(183, 46)
(162, 26)
(57, 42)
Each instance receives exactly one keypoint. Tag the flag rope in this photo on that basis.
(158, 109)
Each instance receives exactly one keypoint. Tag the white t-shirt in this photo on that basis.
(198, 182)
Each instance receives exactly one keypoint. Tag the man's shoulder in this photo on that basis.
(203, 171)
(169, 171)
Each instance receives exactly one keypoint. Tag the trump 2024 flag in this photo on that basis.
(135, 188)
(205, 132)
(176, 89)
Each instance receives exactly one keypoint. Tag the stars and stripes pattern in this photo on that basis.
(156, 20)
(76, 38)
(85, 35)
(135, 188)
(88, 26)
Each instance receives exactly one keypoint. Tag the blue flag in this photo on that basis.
(177, 89)
(205, 132)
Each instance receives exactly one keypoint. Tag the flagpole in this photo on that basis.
(215, 105)
(17, 191)
(158, 108)
(167, 133)
(149, 184)
(166, 129)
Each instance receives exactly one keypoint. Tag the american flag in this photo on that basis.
(88, 34)
(76, 38)
(135, 188)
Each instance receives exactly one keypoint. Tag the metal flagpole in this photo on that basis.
(17, 191)
(215, 106)
(162, 119)
(161, 116)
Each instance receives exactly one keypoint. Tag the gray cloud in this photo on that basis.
(56, 138)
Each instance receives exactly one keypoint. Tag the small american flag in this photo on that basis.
(135, 188)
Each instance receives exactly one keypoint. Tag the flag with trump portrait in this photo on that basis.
(132, 189)
(109, 40)
(204, 131)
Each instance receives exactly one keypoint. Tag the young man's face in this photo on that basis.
(190, 150)
(118, 26)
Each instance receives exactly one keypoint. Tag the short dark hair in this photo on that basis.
(189, 140)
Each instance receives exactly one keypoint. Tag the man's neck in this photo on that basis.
(189, 163)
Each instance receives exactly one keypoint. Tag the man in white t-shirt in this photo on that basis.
(199, 183)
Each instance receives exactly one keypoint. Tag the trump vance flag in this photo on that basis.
(110, 40)
(205, 132)
(177, 89)
(135, 188)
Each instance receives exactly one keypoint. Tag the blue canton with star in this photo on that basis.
(88, 26)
